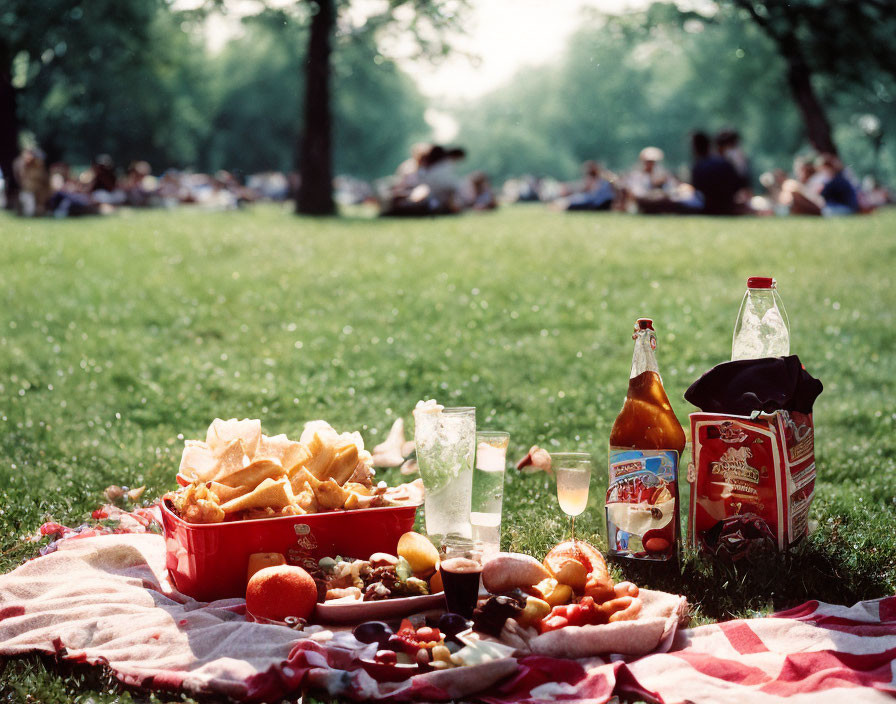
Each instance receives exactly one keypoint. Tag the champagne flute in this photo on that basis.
(573, 471)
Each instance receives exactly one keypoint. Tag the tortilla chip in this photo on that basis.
(330, 495)
(222, 432)
(232, 458)
(253, 474)
(356, 500)
(356, 488)
(227, 493)
(303, 479)
(343, 465)
(317, 427)
(363, 474)
(269, 494)
(322, 455)
(198, 461)
(288, 452)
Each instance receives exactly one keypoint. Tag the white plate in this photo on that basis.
(358, 611)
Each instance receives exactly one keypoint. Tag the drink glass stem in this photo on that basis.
(572, 528)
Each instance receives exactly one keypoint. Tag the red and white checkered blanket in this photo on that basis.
(104, 599)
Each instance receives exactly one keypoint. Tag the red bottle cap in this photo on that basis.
(760, 282)
(644, 324)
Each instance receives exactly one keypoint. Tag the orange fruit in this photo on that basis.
(435, 583)
(281, 591)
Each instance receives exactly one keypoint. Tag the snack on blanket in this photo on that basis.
(281, 591)
(572, 587)
(509, 570)
(382, 576)
(420, 553)
(238, 473)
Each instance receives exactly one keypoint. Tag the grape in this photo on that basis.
(373, 632)
(452, 624)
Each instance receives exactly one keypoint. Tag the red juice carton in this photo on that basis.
(752, 481)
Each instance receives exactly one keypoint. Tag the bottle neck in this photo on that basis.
(644, 357)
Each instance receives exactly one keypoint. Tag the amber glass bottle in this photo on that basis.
(646, 443)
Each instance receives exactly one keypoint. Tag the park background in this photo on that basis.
(122, 335)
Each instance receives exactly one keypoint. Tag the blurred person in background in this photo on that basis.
(714, 178)
(729, 148)
(649, 174)
(801, 195)
(773, 202)
(838, 193)
(479, 192)
(104, 189)
(33, 180)
(648, 188)
(440, 176)
(433, 188)
(874, 194)
(70, 197)
(138, 185)
(595, 192)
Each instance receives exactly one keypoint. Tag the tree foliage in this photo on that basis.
(117, 76)
(652, 77)
(133, 78)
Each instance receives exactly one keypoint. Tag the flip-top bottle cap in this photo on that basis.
(644, 324)
(760, 282)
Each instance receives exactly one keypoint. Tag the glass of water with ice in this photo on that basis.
(488, 489)
(446, 439)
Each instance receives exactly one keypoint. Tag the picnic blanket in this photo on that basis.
(105, 599)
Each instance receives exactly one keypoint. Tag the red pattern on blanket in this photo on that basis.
(101, 596)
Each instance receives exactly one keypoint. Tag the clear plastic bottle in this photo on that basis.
(762, 328)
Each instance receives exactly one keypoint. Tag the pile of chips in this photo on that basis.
(238, 473)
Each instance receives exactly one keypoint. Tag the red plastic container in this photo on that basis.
(209, 561)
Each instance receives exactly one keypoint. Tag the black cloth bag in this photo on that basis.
(769, 384)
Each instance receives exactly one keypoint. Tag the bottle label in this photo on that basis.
(642, 504)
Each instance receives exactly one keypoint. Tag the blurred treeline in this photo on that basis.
(651, 78)
(135, 79)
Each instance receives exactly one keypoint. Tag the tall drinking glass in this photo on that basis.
(573, 471)
(488, 489)
(446, 440)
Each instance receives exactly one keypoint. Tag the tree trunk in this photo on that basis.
(316, 154)
(799, 78)
(9, 128)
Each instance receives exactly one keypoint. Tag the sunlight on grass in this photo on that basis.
(121, 336)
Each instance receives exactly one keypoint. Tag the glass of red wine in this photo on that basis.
(461, 568)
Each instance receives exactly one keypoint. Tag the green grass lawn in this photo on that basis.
(121, 336)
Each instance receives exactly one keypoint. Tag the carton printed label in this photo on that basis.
(753, 481)
(642, 503)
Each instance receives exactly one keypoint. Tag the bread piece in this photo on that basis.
(509, 570)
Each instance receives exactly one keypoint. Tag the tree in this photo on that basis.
(316, 156)
(117, 76)
(255, 97)
(427, 22)
(852, 39)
